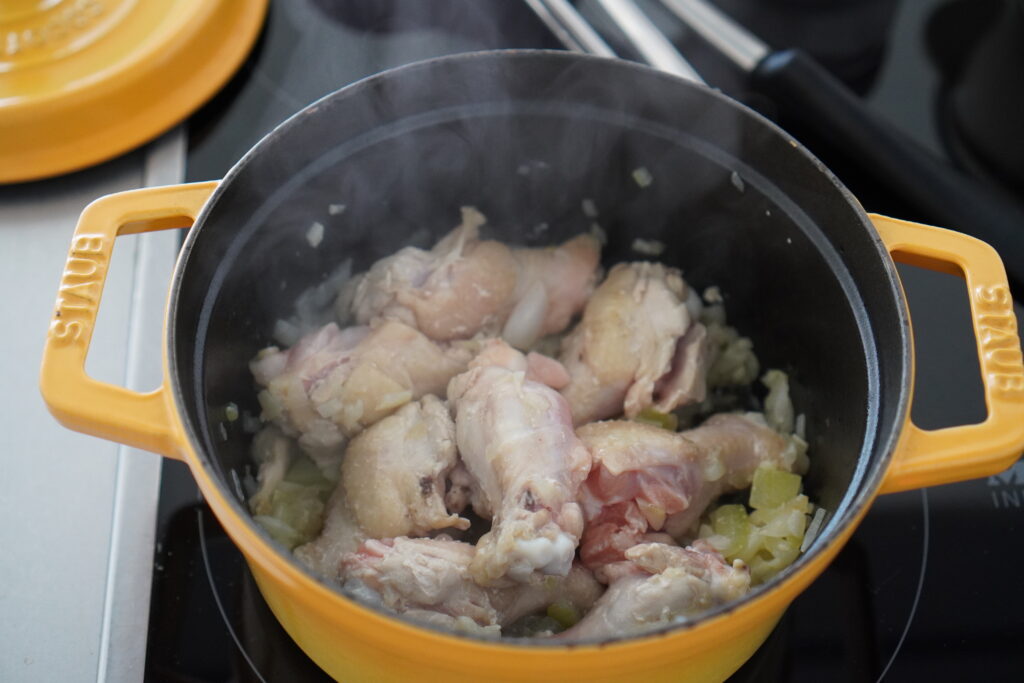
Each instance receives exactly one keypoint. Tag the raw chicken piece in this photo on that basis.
(465, 285)
(661, 585)
(631, 349)
(456, 289)
(394, 472)
(333, 383)
(647, 478)
(429, 580)
(341, 534)
(516, 440)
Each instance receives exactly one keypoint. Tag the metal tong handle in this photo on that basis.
(578, 35)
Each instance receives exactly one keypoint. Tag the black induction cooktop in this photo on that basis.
(929, 586)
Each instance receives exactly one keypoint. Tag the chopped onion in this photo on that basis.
(315, 234)
(737, 181)
(648, 247)
(524, 326)
(642, 176)
(813, 529)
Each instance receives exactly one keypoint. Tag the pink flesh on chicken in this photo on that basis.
(429, 581)
(686, 380)
(334, 383)
(628, 341)
(658, 585)
(464, 286)
(645, 478)
(394, 472)
(516, 439)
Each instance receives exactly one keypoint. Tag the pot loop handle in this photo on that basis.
(79, 402)
(942, 456)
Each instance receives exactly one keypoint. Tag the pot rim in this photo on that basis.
(865, 481)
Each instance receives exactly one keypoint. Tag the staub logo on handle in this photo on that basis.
(79, 291)
(1000, 347)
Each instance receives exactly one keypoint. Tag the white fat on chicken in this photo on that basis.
(645, 478)
(394, 473)
(335, 382)
(516, 440)
(636, 346)
(428, 580)
(658, 585)
(464, 286)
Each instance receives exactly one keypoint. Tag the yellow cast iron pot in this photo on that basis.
(526, 136)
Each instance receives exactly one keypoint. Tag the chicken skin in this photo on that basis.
(645, 478)
(335, 382)
(394, 472)
(465, 286)
(429, 581)
(658, 585)
(516, 440)
(632, 349)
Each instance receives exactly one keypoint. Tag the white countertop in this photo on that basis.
(77, 513)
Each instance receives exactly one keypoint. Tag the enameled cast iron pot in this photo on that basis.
(526, 136)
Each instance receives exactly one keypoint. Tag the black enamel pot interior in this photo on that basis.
(526, 137)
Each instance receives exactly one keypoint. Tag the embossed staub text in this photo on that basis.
(79, 291)
(1000, 346)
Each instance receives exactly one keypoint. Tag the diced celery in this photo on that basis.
(304, 471)
(299, 507)
(788, 519)
(773, 487)
(731, 521)
(658, 419)
(279, 531)
(564, 613)
(775, 555)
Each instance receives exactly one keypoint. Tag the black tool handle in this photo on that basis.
(810, 95)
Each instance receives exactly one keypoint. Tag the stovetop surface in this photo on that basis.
(929, 584)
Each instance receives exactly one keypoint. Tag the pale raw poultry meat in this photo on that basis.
(465, 286)
(341, 534)
(637, 346)
(335, 382)
(658, 585)
(645, 478)
(516, 440)
(429, 581)
(394, 473)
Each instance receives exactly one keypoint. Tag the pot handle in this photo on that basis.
(79, 402)
(941, 456)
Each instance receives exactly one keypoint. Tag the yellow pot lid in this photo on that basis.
(82, 81)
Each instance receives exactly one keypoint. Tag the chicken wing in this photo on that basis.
(429, 581)
(465, 285)
(646, 478)
(516, 439)
(631, 349)
(394, 472)
(333, 383)
(659, 585)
